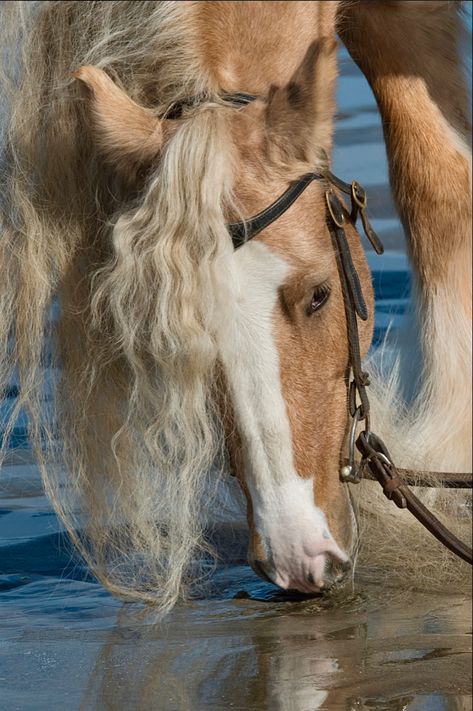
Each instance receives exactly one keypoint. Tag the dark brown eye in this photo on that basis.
(319, 298)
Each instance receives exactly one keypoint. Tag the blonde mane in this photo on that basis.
(134, 340)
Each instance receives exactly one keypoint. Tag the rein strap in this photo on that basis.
(378, 461)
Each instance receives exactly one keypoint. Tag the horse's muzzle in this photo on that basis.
(334, 571)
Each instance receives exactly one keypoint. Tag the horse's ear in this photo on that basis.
(128, 135)
(299, 116)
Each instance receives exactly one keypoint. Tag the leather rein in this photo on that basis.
(376, 462)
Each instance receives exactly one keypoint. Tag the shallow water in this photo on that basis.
(66, 644)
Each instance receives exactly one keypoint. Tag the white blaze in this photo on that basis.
(251, 363)
(285, 514)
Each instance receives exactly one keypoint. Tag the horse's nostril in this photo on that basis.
(257, 566)
(335, 571)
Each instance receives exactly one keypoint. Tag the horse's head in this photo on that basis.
(285, 354)
(283, 350)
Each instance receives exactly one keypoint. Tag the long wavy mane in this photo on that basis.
(139, 280)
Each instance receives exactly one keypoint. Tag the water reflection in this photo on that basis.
(250, 654)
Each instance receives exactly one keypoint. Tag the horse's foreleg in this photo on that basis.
(410, 54)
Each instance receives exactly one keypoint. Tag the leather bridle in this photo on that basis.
(376, 462)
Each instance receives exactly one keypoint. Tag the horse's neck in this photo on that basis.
(411, 61)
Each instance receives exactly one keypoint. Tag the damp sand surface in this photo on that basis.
(66, 644)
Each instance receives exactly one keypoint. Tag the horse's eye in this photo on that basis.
(319, 298)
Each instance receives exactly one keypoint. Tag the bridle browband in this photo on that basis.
(375, 462)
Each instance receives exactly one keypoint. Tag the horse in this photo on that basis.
(134, 134)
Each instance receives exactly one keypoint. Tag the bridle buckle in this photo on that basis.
(352, 471)
(334, 207)
(358, 195)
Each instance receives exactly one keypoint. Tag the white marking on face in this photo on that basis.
(285, 515)
(251, 363)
